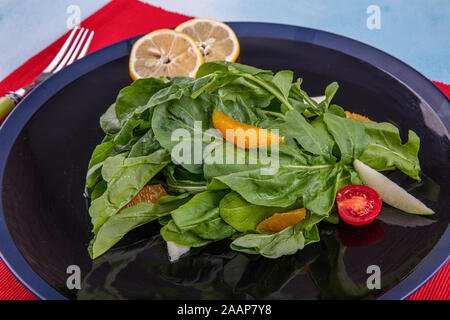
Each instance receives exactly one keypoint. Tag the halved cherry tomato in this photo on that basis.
(357, 204)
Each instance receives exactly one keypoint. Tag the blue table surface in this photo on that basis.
(414, 31)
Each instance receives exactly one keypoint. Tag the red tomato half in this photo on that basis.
(358, 205)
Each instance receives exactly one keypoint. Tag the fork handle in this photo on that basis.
(6, 105)
(10, 100)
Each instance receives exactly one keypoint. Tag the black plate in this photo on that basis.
(47, 142)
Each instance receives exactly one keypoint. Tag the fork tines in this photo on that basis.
(70, 51)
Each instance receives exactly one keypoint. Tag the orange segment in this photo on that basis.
(243, 135)
(164, 53)
(280, 221)
(215, 39)
(356, 116)
(147, 194)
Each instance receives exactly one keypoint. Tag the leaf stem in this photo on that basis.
(187, 187)
(268, 88)
(275, 114)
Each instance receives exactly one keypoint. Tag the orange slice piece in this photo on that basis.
(147, 194)
(162, 53)
(243, 135)
(215, 39)
(356, 116)
(280, 221)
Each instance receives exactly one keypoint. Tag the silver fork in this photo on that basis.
(69, 52)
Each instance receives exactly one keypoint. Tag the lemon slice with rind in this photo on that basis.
(164, 52)
(215, 39)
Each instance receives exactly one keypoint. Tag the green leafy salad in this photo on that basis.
(160, 131)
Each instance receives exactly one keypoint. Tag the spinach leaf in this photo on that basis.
(126, 137)
(124, 177)
(180, 180)
(170, 232)
(128, 219)
(137, 94)
(201, 208)
(99, 189)
(200, 216)
(109, 122)
(215, 228)
(146, 145)
(100, 154)
(245, 216)
(274, 245)
(242, 89)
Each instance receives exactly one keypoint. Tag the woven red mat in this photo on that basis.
(120, 20)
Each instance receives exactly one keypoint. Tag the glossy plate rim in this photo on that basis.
(409, 77)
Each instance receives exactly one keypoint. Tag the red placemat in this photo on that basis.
(119, 20)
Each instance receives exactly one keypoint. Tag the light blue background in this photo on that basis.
(417, 32)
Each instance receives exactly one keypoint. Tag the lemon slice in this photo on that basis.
(215, 39)
(162, 53)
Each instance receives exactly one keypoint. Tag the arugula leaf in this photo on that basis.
(330, 91)
(229, 67)
(298, 175)
(277, 87)
(322, 202)
(337, 110)
(283, 80)
(192, 116)
(386, 150)
(311, 139)
(303, 103)
(239, 110)
(349, 134)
